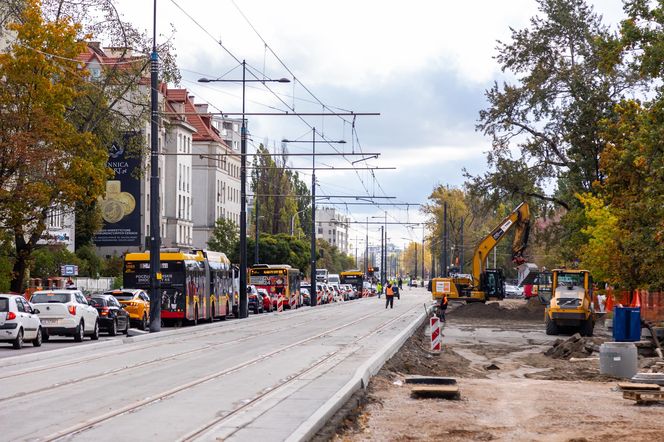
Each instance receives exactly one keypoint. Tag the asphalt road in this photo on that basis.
(264, 378)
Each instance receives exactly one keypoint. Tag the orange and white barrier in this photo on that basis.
(434, 326)
(280, 304)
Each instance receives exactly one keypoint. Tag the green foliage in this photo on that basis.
(280, 192)
(225, 238)
(280, 249)
(633, 192)
(92, 264)
(546, 128)
(601, 254)
(331, 258)
(46, 261)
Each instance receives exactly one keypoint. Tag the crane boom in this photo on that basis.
(519, 219)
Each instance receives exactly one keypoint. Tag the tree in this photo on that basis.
(273, 185)
(546, 129)
(280, 249)
(225, 238)
(46, 164)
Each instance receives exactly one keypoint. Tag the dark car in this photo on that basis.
(112, 315)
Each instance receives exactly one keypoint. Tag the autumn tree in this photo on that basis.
(545, 126)
(46, 164)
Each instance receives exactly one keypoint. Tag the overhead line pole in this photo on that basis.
(155, 212)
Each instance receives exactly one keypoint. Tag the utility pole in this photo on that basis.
(366, 253)
(256, 259)
(155, 212)
(313, 214)
(463, 220)
(415, 273)
(382, 252)
(444, 252)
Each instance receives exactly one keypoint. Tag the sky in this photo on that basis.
(424, 65)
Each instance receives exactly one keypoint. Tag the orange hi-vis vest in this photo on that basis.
(389, 291)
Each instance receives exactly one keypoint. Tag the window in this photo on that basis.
(320, 230)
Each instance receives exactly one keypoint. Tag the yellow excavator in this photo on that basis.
(486, 283)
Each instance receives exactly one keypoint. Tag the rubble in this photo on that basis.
(530, 310)
(575, 346)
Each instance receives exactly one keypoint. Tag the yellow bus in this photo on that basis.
(354, 278)
(194, 286)
(278, 279)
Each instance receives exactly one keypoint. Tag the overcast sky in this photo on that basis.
(423, 65)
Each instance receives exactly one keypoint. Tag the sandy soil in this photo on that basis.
(528, 397)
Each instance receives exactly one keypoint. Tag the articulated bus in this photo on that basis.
(354, 278)
(194, 286)
(278, 279)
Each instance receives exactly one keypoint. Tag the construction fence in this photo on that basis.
(651, 303)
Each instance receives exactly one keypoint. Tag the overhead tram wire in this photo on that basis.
(256, 77)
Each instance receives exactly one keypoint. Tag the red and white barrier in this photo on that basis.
(434, 327)
(280, 304)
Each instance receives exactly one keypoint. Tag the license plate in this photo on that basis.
(49, 321)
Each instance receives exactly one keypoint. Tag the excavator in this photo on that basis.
(486, 283)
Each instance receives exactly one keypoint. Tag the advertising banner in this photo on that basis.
(121, 205)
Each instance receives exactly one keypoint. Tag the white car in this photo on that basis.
(19, 322)
(513, 291)
(66, 312)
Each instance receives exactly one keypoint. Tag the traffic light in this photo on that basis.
(370, 271)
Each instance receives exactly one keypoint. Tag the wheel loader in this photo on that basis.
(571, 306)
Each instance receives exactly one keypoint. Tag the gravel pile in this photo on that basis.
(530, 310)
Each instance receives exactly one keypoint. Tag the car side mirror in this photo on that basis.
(35, 311)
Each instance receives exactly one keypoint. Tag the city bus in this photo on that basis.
(278, 279)
(220, 276)
(354, 278)
(195, 286)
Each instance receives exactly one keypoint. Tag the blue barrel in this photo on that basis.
(626, 324)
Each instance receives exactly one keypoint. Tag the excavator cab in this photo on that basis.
(493, 283)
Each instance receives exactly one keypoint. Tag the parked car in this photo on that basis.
(266, 299)
(66, 312)
(112, 315)
(137, 305)
(255, 304)
(19, 322)
(513, 291)
(305, 294)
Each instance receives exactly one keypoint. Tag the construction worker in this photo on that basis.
(396, 291)
(389, 296)
(400, 282)
(379, 289)
(442, 307)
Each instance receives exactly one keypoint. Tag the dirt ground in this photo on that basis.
(509, 389)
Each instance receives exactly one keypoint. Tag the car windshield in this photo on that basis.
(43, 298)
(4, 304)
(97, 302)
(124, 296)
(570, 279)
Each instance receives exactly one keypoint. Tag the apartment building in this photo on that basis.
(332, 226)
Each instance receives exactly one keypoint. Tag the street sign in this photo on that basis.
(68, 270)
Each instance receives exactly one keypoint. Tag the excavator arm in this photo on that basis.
(519, 220)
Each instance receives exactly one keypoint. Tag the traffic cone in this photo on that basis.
(636, 302)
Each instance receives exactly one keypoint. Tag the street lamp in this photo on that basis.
(383, 254)
(243, 310)
(292, 221)
(313, 201)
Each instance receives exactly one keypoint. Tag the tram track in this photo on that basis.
(256, 400)
(96, 376)
(195, 334)
(96, 420)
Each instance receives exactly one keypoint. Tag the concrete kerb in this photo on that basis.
(360, 379)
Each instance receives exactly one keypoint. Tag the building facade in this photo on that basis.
(332, 226)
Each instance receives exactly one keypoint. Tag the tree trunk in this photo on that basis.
(20, 267)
